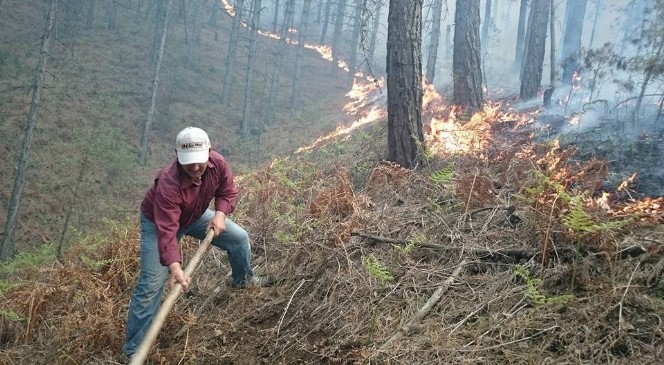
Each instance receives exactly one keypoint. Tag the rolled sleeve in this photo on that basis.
(166, 217)
(225, 195)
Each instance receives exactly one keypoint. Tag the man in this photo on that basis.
(177, 205)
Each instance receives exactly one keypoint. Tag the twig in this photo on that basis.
(286, 310)
(184, 353)
(435, 297)
(199, 311)
(515, 341)
(483, 253)
(472, 314)
(621, 326)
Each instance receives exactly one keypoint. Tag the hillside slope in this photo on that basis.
(83, 161)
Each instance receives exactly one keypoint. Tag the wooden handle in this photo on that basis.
(158, 321)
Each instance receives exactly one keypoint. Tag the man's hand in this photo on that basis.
(218, 223)
(177, 276)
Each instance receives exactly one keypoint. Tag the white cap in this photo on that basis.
(192, 146)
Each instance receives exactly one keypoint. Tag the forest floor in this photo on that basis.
(502, 254)
(506, 247)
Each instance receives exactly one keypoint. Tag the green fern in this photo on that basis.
(532, 289)
(376, 269)
(578, 220)
(443, 175)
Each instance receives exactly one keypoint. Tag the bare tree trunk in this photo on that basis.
(535, 47)
(230, 56)
(405, 139)
(304, 25)
(275, 21)
(374, 34)
(91, 14)
(646, 80)
(251, 61)
(574, 16)
(196, 27)
(323, 32)
(72, 204)
(7, 249)
(521, 33)
(357, 27)
(435, 37)
(486, 24)
(338, 26)
(466, 61)
(143, 146)
(112, 24)
(598, 4)
(552, 45)
(276, 70)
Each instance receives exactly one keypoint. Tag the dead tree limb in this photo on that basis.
(435, 297)
(484, 254)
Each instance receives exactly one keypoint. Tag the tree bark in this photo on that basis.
(404, 83)
(535, 47)
(251, 61)
(7, 249)
(143, 146)
(302, 38)
(323, 32)
(521, 33)
(230, 56)
(598, 4)
(112, 24)
(278, 65)
(357, 27)
(486, 24)
(374, 34)
(91, 14)
(552, 46)
(338, 27)
(275, 20)
(574, 17)
(196, 27)
(434, 40)
(466, 61)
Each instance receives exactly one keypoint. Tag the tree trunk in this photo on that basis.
(552, 45)
(196, 27)
(275, 21)
(112, 24)
(646, 80)
(433, 41)
(278, 65)
(323, 32)
(7, 249)
(535, 47)
(521, 33)
(302, 38)
(214, 15)
(374, 34)
(574, 17)
(466, 61)
(143, 146)
(91, 14)
(404, 83)
(230, 56)
(354, 43)
(486, 24)
(251, 61)
(319, 13)
(338, 27)
(598, 7)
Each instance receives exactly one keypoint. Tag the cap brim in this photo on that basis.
(186, 158)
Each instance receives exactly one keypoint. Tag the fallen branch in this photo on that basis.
(199, 311)
(482, 253)
(435, 297)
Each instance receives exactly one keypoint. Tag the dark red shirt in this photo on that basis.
(175, 201)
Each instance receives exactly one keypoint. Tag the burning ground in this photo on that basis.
(502, 249)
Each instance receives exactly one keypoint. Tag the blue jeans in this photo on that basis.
(150, 286)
